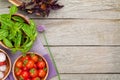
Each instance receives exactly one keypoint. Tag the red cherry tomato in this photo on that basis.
(35, 66)
(27, 57)
(30, 64)
(25, 74)
(28, 79)
(41, 64)
(20, 77)
(25, 68)
(34, 57)
(42, 73)
(18, 71)
(2, 63)
(19, 64)
(33, 72)
(36, 78)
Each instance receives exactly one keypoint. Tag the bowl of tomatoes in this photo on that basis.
(5, 65)
(32, 66)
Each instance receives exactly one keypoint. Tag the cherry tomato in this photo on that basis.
(20, 77)
(42, 73)
(33, 72)
(27, 57)
(28, 79)
(18, 71)
(41, 64)
(25, 62)
(25, 74)
(25, 68)
(36, 78)
(19, 64)
(34, 57)
(35, 66)
(30, 64)
(2, 63)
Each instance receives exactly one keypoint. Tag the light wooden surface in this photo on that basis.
(84, 37)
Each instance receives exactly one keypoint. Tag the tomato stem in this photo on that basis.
(45, 69)
(51, 55)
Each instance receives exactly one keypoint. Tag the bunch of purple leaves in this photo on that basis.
(40, 7)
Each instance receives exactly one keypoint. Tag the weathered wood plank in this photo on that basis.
(87, 59)
(89, 77)
(100, 9)
(4, 4)
(82, 32)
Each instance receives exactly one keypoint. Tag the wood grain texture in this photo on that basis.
(4, 4)
(82, 32)
(71, 29)
(99, 9)
(87, 59)
(89, 77)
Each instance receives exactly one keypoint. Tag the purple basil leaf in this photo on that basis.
(56, 6)
(40, 7)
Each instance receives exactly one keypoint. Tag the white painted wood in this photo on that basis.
(99, 9)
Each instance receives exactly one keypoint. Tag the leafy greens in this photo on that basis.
(15, 33)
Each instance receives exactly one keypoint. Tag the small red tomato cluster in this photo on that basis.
(30, 67)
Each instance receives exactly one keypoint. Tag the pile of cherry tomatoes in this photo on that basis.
(30, 67)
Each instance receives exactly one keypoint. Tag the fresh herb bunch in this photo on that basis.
(15, 33)
(40, 7)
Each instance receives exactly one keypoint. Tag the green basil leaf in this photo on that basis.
(3, 26)
(27, 47)
(24, 50)
(33, 26)
(29, 44)
(35, 35)
(17, 26)
(23, 39)
(18, 39)
(14, 30)
(7, 43)
(14, 50)
(13, 9)
(3, 33)
(26, 41)
(12, 35)
(7, 22)
(27, 30)
(5, 16)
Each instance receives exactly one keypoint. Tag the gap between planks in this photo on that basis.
(82, 45)
(88, 77)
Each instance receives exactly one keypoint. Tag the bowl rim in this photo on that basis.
(25, 18)
(15, 2)
(29, 53)
(9, 64)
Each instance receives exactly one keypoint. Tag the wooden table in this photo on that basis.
(84, 37)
